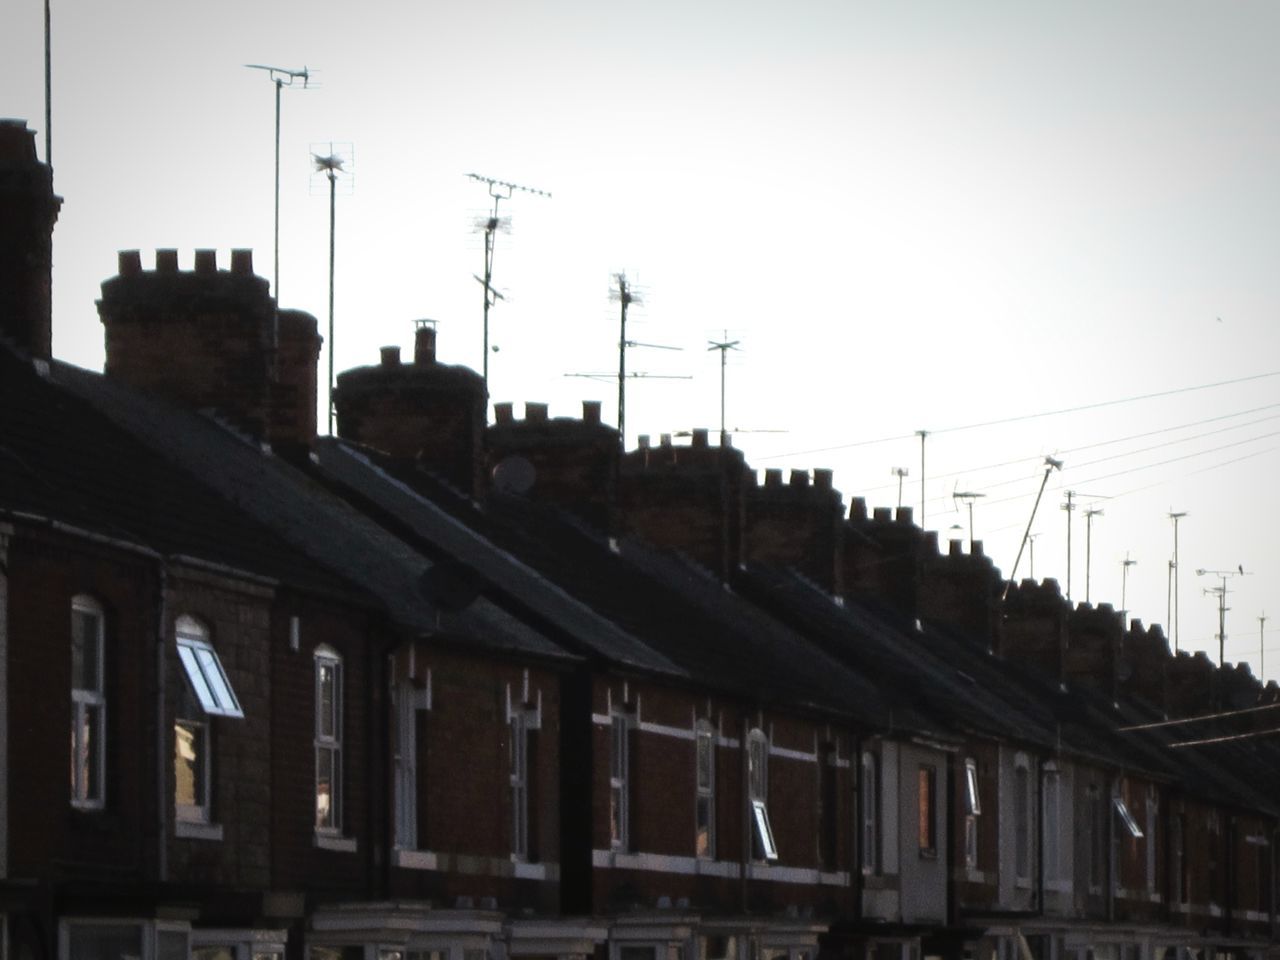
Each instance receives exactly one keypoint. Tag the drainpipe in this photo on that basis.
(5, 533)
(162, 766)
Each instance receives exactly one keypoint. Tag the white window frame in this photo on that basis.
(869, 813)
(211, 691)
(1126, 817)
(405, 760)
(89, 708)
(619, 780)
(328, 741)
(758, 793)
(704, 808)
(1023, 795)
(205, 673)
(972, 810)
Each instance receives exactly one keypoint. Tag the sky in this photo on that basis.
(1027, 229)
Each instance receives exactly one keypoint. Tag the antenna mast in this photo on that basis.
(724, 346)
(1089, 514)
(331, 165)
(1050, 465)
(1221, 593)
(499, 190)
(625, 298)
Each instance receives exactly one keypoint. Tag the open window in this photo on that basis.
(758, 787)
(1126, 818)
(206, 693)
(972, 810)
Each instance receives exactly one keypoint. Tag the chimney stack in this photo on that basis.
(28, 211)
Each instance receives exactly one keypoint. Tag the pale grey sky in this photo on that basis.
(914, 215)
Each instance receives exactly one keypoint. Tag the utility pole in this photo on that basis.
(1125, 564)
(1069, 506)
(1177, 620)
(1089, 514)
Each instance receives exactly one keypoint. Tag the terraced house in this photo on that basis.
(444, 689)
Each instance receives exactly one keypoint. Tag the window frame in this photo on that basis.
(207, 693)
(518, 778)
(329, 743)
(927, 810)
(869, 853)
(405, 766)
(88, 761)
(764, 847)
(972, 810)
(205, 674)
(1023, 796)
(1126, 817)
(704, 804)
(1051, 822)
(619, 780)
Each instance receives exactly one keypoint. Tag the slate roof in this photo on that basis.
(98, 454)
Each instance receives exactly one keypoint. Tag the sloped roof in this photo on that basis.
(114, 459)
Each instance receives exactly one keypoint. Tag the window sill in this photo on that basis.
(416, 860)
(335, 842)
(197, 830)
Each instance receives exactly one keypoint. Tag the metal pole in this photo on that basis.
(922, 434)
(724, 356)
(490, 231)
(1088, 549)
(48, 87)
(1069, 507)
(1222, 621)
(1177, 619)
(1262, 653)
(1052, 465)
(622, 362)
(275, 279)
(1125, 564)
(1168, 604)
(333, 182)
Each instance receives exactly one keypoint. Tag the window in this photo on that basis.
(1177, 860)
(927, 795)
(88, 704)
(1051, 805)
(828, 807)
(206, 692)
(1153, 811)
(519, 773)
(972, 810)
(1022, 819)
(758, 791)
(1126, 818)
(619, 780)
(328, 740)
(1097, 838)
(869, 813)
(705, 802)
(404, 759)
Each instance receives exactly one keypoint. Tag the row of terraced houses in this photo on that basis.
(445, 689)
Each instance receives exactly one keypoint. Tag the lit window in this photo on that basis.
(869, 812)
(705, 803)
(328, 740)
(758, 786)
(927, 790)
(207, 691)
(88, 703)
(619, 780)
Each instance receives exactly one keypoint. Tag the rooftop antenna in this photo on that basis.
(1220, 592)
(1173, 569)
(724, 346)
(1262, 654)
(1125, 564)
(922, 434)
(899, 472)
(281, 77)
(967, 497)
(331, 164)
(1089, 514)
(48, 87)
(499, 190)
(1050, 465)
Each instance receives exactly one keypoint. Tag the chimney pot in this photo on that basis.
(931, 541)
(955, 548)
(665, 439)
(882, 514)
(130, 263)
(642, 441)
(206, 261)
(424, 345)
(975, 549)
(858, 508)
(166, 260)
(905, 514)
(700, 438)
(773, 477)
(591, 412)
(502, 412)
(242, 262)
(390, 356)
(822, 478)
(799, 478)
(535, 412)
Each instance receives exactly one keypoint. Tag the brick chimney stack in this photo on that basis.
(202, 338)
(28, 211)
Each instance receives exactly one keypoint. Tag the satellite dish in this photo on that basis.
(514, 474)
(449, 585)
